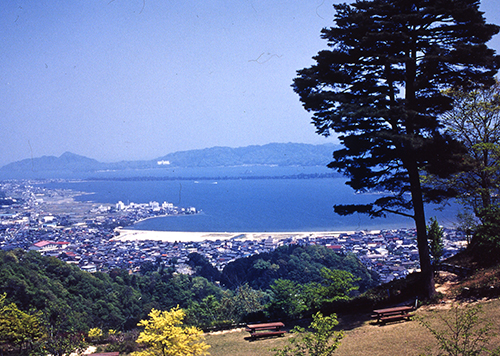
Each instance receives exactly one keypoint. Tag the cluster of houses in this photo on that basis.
(85, 235)
(394, 253)
(391, 253)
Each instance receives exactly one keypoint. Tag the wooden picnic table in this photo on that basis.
(394, 313)
(265, 329)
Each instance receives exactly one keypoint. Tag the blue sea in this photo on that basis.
(244, 199)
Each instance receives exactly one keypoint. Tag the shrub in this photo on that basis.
(465, 332)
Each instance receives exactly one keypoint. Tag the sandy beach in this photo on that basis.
(185, 236)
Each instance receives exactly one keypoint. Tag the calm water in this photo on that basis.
(247, 205)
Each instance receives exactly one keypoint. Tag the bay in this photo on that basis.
(279, 203)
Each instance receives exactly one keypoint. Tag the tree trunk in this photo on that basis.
(410, 162)
(427, 271)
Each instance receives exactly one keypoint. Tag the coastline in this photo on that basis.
(188, 236)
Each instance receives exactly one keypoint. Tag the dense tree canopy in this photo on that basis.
(203, 267)
(301, 264)
(380, 87)
(71, 300)
(292, 300)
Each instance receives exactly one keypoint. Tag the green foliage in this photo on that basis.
(323, 340)
(296, 263)
(67, 296)
(36, 334)
(203, 267)
(465, 332)
(394, 292)
(485, 244)
(64, 343)
(123, 342)
(291, 300)
(206, 313)
(167, 290)
(72, 300)
(475, 121)
(287, 300)
(231, 308)
(337, 284)
(299, 278)
(435, 235)
(248, 301)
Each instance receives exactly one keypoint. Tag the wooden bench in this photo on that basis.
(386, 319)
(266, 329)
(392, 314)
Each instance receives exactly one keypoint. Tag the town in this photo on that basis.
(53, 223)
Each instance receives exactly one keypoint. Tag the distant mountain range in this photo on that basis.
(276, 154)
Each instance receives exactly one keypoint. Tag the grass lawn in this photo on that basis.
(238, 343)
(362, 337)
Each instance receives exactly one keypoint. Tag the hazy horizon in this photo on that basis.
(165, 154)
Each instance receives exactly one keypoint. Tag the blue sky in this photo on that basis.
(134, 79)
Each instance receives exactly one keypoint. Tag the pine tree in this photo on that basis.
(380, 87)
(435, 234)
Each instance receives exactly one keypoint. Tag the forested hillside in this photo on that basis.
(67, 296)
(280, 154)
(74, 299)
